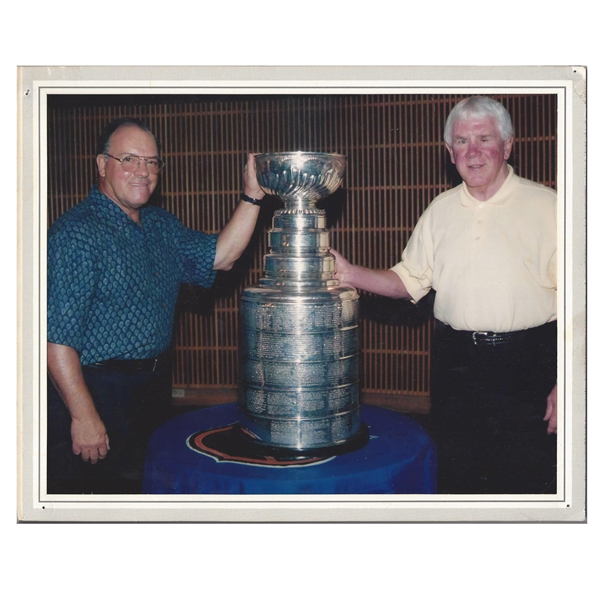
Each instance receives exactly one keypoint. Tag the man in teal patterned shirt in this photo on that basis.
(115, 265)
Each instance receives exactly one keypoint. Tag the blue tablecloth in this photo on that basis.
(399, 458)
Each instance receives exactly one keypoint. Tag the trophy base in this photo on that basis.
(249, 446)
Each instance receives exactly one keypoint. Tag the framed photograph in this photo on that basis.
(388, 125)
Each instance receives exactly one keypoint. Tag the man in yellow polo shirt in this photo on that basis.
(489, 249)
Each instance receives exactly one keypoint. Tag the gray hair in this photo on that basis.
(479, 107)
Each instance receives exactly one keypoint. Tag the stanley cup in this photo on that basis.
(299, 330)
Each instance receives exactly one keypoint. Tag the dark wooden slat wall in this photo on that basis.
(397, 164)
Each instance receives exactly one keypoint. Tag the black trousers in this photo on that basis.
(488, 404)
(131, 405)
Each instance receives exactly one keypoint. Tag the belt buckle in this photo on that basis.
(484, 334)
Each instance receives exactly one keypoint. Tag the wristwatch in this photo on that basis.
(247, 198)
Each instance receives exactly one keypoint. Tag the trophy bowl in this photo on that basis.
(306, 176)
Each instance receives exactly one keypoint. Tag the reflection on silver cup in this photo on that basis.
(300, 176)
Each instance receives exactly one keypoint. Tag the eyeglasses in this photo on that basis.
(130, 163)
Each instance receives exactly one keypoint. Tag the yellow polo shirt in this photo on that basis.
(491, 263)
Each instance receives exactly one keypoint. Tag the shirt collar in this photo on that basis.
(500, 197)
(109, 210)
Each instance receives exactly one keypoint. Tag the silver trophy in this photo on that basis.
(299, 330)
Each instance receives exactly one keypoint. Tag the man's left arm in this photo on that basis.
(552, 399)
(551, 415)
(235, 236)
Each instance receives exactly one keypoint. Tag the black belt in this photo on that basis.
(131, 366)
(490, 338)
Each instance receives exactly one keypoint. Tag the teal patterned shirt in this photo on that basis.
(113, 284)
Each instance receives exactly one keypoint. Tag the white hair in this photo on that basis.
(479, 107)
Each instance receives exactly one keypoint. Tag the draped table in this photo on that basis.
(190, 455)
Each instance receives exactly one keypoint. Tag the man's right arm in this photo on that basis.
(88, 434)
(381, 282)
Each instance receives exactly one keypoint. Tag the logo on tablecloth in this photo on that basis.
(234, 444)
